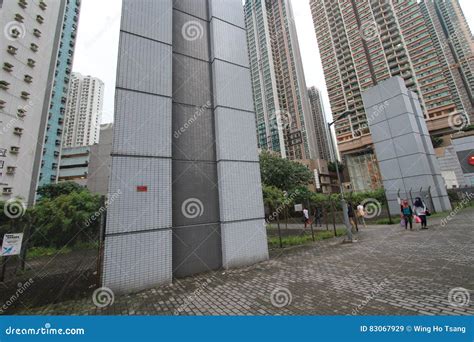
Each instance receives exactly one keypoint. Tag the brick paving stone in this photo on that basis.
(390, 271)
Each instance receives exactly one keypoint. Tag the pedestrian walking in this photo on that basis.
(406, 214)
(351, 214)
(306, 217)
(421, 211)
(361, 214)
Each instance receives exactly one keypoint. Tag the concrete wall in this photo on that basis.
(184, 155)
(403, 146)
(100, 163)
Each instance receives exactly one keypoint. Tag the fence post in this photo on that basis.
(26, 238)
(388, 207)
(431, 200)
(333, 218)
(411, 197)
(325, 214)
(102, 226)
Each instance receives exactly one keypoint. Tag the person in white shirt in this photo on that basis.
(306, 217)
(361, 214)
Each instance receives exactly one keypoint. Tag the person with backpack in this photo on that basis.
(421, 211)
(406, 214)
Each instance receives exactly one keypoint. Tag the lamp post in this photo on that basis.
(344, 207)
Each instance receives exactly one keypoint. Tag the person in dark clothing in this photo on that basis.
(420, 210)
(407, 214)
(351, 214)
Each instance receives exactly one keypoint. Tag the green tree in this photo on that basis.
(56, 190)
(272, 196)
(66, 219)
(283, 174)
(332, 166)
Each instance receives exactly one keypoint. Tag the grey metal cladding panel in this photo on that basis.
(195, 194)
(148, 18)
(144, 65)
(196, 249)
(193, 133)
(142, 124)
(133, 210)
(240, 191)
(135, 262)
(232, 87)
(191, 81)
(244, 243)
(197, 8)
(190, 35)
(229, 43)
(235, 135)
(231, 11)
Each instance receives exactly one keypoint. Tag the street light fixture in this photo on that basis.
(344, 207)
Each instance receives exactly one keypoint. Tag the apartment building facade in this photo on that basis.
(323, 140)
(57, 106)
(283, 112)
(85, 101)
(28, 53)
(364, 42)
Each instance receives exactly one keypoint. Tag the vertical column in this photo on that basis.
(240, 195)
(402, 144)
(138, 235)
(196, 230)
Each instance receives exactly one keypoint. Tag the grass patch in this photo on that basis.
(36, 252)
(395, 220)
(297, 240)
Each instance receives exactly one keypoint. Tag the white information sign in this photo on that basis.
(11, 244)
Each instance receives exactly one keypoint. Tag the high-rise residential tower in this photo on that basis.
(364, 42)
(320, 125)
(57, 106)
(453, 40)
(283, 113)
(85, 100)
(29, 56)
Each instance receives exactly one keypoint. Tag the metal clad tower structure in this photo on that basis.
(184, 155)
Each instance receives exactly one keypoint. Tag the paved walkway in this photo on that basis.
(389, 271)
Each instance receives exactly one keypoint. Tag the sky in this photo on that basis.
(97, 45)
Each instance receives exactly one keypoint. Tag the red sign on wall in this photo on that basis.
(142, 188)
